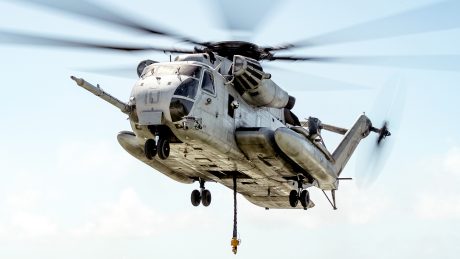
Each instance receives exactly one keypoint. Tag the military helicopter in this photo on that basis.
(206, 117)
(214, 115)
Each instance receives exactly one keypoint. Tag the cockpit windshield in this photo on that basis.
(174, 69)
(187, 88)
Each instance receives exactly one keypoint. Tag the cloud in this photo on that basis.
(451, 161)
(129, 217)
(21, 219)
(93, 157)
(3, 232)
(356, 207)
(440, 199)
(438, 207)
(30, 225)
(24, 200)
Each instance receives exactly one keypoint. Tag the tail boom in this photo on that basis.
(345, 149)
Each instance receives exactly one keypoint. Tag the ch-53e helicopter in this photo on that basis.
(217, 116)
(214, 115)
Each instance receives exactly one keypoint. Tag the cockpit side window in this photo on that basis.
(208, 83)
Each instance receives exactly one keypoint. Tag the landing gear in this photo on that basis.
(206, 198)
(333, 203)
(202, 196)
(294, 198)
(163, 148)
(304, 199)
(195, 198)
(151, 148)
(299, 195)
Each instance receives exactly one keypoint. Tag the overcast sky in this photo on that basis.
(68, 190)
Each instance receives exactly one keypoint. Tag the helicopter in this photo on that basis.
(204, 117)
(214, 115)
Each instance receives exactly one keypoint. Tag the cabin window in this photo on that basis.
(208, 83)
(230, 109)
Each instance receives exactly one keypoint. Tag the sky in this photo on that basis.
(68, 190)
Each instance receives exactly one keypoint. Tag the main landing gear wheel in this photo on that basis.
(205, 197)
(304, 199)
(293, 198)
(300, 194)
(202, 196)
(195, 198)
(163, 148)
(150, 149)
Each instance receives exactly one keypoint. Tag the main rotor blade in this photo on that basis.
(242, 15)
(98, 12)
(312, 82)
(429, 18)
(29, 39)
(128, 72)
(429, 62)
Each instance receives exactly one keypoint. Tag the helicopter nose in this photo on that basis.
(152, 98)
(165, 100)
(183, 99)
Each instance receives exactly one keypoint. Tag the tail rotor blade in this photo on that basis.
(386, 114)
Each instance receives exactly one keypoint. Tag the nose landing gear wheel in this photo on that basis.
(205, 197)
(150, 149)
(195, 198)
(304, 199)
(163, 148)
(293, 198)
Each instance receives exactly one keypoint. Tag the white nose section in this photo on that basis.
(153, 96)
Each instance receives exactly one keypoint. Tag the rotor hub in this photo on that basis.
(228, 49)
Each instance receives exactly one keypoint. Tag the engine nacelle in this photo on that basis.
(256, 86)
(143, 64)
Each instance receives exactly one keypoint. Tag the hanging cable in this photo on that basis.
(235, 241)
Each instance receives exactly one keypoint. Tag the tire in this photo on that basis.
(150, 149)
(293, 198)
(195, 198)
(205, 197)
(163, 148)
(304, 198)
